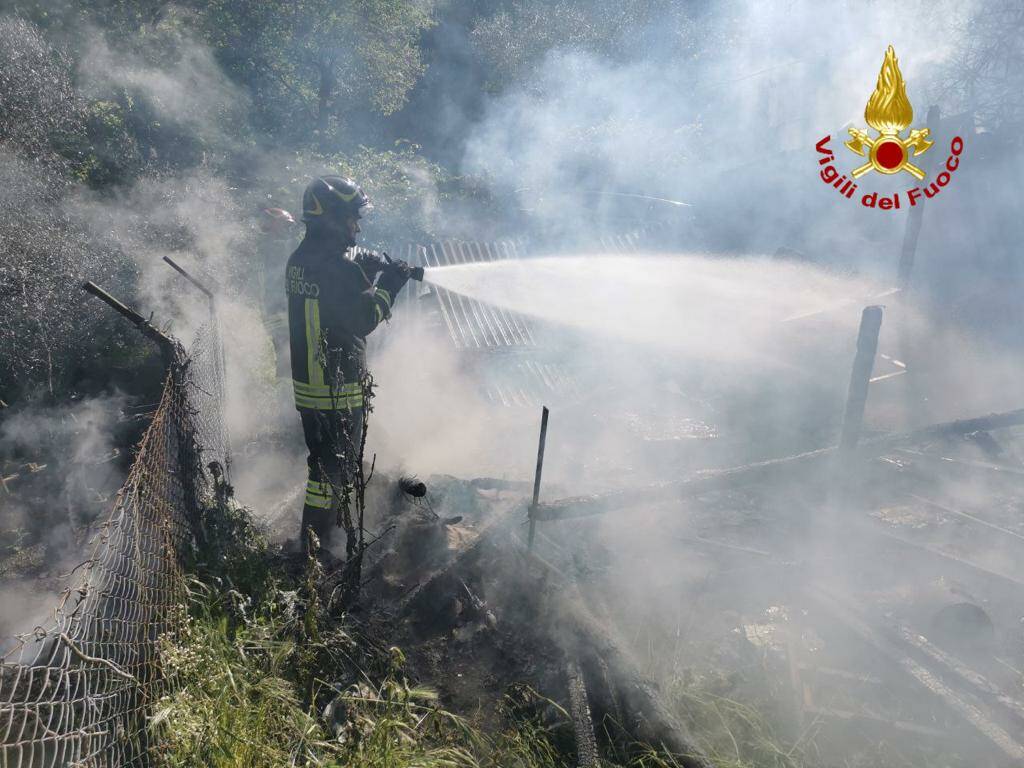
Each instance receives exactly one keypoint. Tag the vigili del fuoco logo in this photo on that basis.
(889, 113)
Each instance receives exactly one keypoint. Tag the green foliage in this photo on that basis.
(37, 95)
(514, 39)
(55, 339)
(239, 707)
(409, 192)
(232, 550)
(313, 64)
(108, 153)
(732, 716)
(737, 733)
(236, 708)
(266, 677)
(312, 74)
(403, 185)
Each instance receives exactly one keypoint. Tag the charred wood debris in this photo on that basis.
(471, 593)
(885, 605)
(907, 630)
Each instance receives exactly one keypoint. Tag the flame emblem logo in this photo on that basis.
(888, 111)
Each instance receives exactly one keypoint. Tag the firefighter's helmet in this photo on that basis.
(333, 199)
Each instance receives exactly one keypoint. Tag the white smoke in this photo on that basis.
(179, 78)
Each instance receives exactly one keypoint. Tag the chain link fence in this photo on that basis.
(79, 691)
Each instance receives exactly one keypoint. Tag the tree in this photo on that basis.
(985, 77)
(517, 35)
(311, 64)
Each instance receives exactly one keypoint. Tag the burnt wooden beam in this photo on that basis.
(591, 638)
(913, 228)
(184, 273)
(762, 471)
(583, 725)
(990, 722)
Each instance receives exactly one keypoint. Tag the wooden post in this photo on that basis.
(913, 230)
(844, 467)
(913, 383)
(540, 468)
(582, 719)
(863, 363)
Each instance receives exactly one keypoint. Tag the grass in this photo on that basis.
(240, 703)
(265, 676)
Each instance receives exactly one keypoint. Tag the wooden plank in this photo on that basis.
(500, 315)
(860, 375)
(512, 253)
(459, 304)
(965, 516)
(913, 227)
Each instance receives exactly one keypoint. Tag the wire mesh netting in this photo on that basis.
(79, 691)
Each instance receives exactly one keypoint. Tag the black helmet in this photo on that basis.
(333, 198)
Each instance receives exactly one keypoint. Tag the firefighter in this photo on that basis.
(333, 303)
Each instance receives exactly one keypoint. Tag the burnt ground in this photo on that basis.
(60, 471)
(772, 624)
(760, 622)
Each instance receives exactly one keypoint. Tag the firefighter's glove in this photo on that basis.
(370, 263)
(393, 277)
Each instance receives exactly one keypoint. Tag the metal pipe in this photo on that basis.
(147, 328)
(181, 271)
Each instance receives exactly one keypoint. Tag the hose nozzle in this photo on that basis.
(414, 273)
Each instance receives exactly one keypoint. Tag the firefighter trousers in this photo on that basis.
(332, 438)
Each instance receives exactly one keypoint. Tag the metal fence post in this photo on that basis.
(168, 347)
(863, 364)
(219, 363)
(540, 468)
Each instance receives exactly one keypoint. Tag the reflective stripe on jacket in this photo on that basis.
(332, 307)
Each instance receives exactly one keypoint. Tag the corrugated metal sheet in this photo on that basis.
(521, 371)
(521, 381)
(472, 324)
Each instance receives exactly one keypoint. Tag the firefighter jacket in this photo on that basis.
(331, 308)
